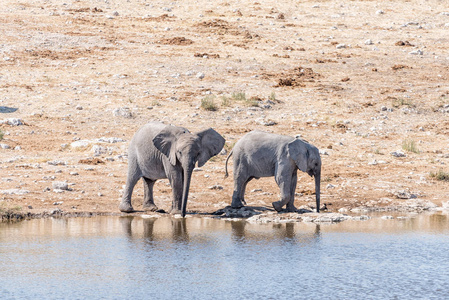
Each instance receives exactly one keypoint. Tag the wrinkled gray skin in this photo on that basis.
(163, 151)
(262, 154)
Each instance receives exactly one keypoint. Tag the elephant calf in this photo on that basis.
(163, 151)
(262, 154)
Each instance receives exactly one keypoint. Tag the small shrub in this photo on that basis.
(225, 101)
(252, 102)
(410, 146)
(208, 103)
(402, 102)
(440, 175)
(239, 96)
(272, 96)
(1, 134)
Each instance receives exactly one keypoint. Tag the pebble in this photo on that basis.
(13, 122)
(340, 46)
(369, 42)
(60, 185)
(5, 146)
(215, 187)
(416, 52)
(80, 144)
(398, 154)
(380, 12)
(124, 112)
(200, 75)
(14, 192)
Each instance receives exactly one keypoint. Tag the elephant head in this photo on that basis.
(307, 159)
(184, 149)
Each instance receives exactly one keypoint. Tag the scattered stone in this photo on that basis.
(380, 12)
(79, 145)
(17, 148)
(262, 121)
(215, 187)
(14, 192)
(99, 150)
(360, 218)
(405, 194)
(340, 46)
(60, 185)
(330, 186)
(5, 146)
(200, 75)
(58, 203)
(387, 217)
(74, 173)
(57, 163)
(13, 122)
(416, 52)
(123, 112)
(368, 42)
(398, 154)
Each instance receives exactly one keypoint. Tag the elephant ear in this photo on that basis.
(165, 142)
(298, 151)
(211, 144)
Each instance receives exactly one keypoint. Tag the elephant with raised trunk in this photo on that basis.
(262, 154)
(163, 151)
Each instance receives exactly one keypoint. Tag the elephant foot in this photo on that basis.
(126, 207)
(291, 208)
(150, 207)
(174, 211)
(277, 205)
(237, 203)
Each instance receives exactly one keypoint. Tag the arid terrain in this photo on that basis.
(367, 82)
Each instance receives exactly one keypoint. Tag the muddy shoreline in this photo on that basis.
(250, 214)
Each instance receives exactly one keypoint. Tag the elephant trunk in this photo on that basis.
(317, 190)
(185, 190)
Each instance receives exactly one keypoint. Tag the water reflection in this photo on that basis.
(167, 258)
(203, 230)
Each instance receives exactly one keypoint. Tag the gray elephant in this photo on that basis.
(163, 151)
(262, 154)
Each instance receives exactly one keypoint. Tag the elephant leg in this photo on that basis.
(291, 204)
(176, 183)
(148, 200)
(284, 183)
(240, 183)
(125, 204)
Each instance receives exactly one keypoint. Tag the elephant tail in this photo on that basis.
(226, 166)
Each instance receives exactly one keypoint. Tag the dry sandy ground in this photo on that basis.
(355, 78)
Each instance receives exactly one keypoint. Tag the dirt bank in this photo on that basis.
(364, 81)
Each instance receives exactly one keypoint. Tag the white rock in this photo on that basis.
(398, 154)
(380, 12)
(80, 144)
(330, 186)
(200, 75)
(60, 185)
(14, 192)
(99, 150)
(416, 52)
(340, 46)
(13, 121)
(5, 146)
(368, 42)
(110, 140)
(124, 112)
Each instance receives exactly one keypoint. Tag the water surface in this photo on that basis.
(197, 258)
